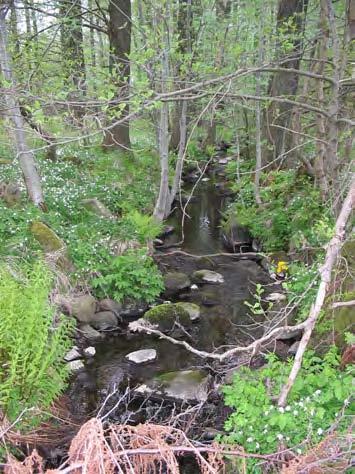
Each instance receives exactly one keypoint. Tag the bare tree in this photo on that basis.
(25, 156)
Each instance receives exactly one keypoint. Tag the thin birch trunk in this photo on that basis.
(25, 156)
(162, 205)
(258, 119)
(181, 153)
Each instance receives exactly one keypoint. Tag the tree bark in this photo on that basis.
(284, 84)
(333, 250)
(72, 42)
(25, 156)
(73, 52)
(185, 34)
(119, 32)
(162, 205)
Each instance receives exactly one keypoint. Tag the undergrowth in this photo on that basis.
(33, 342)
(291, 215)
(320, 397)
(119, 182)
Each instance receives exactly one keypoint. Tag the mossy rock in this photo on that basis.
(165, 316)
(47, 238)
(192, 308)
(96, 207)
(175, 282)
(51, 243)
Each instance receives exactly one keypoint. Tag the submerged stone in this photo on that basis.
(208, 276)
(166, 315)
(185, 386)
(142, 356)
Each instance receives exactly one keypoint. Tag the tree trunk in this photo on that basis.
(185, 33)
(25, 156)
(119, 32)
(283, 84)
(162, 206)
(73, 52)
(27, 18)
(13, 27)
(258, 122)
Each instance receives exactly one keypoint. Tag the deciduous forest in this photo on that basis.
(177, 236)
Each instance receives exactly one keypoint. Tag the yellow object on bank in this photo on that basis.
(281, 267)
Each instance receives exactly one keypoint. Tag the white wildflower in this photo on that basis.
(319, 431)
(250, 439)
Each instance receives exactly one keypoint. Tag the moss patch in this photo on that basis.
(165, 316)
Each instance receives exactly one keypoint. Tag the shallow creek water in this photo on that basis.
(223, 320)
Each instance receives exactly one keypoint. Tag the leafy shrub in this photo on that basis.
(292, 213)
(32, 342)
(132, 275)
(140, 227)
(320, 393)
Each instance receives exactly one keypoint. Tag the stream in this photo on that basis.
(130, 392)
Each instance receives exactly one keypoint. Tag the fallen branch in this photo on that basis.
(340, 304)
(333, 250)
(243, 255)
(253, 347)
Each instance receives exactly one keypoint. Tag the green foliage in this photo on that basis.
(33, 341)
(320, 396)
(141, 227)
(116, 180)
(257, 308)
(301, 286)
(292, 213)
(132, 275)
